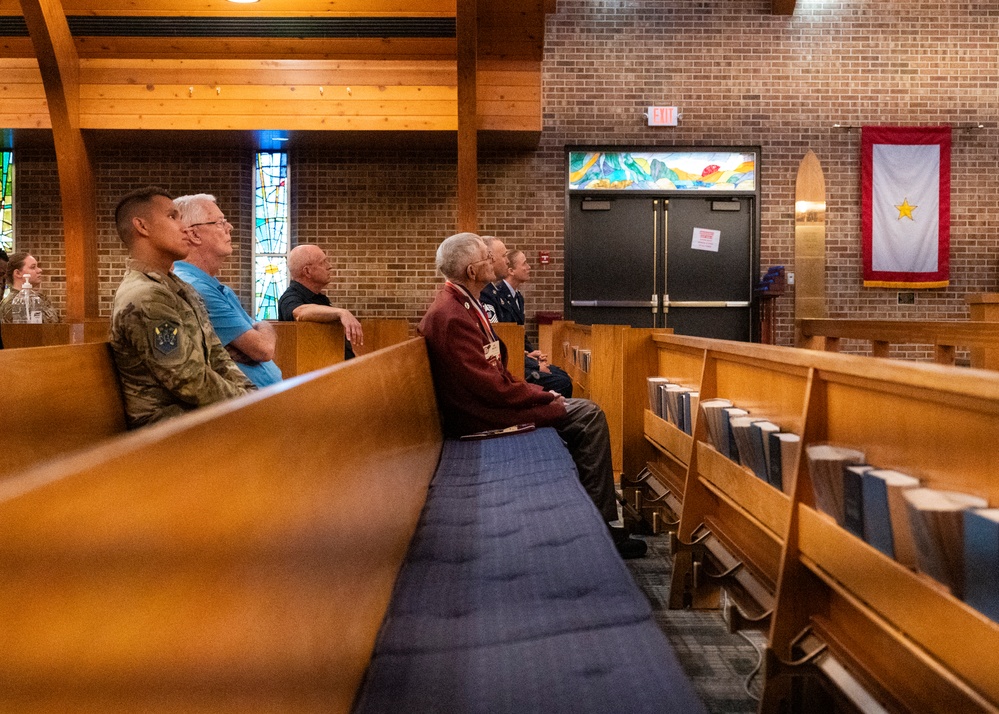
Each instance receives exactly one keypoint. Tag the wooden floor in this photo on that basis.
(717, 662)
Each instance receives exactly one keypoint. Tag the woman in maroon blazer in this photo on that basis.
(475, 391)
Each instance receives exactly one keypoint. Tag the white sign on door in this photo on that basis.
(706, 239)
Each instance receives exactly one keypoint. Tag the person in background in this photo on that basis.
(250, 344)
(504, 302)
(168, 357)
(476, 392)
(21, 267)
(3, 282)
(304, 301)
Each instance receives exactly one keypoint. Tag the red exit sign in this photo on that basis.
(663, 116)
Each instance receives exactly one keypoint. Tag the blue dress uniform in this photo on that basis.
(504, 305)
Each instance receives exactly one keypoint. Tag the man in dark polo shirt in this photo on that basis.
(303, 300)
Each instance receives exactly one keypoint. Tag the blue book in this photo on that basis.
(981, 560)
(886, 522)
(853, 498)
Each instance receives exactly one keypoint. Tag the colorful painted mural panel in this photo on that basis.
(662, 171)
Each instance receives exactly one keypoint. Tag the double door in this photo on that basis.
(686, 263)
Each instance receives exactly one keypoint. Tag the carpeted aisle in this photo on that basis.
(717, 662)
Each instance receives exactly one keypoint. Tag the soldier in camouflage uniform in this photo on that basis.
(169, 359)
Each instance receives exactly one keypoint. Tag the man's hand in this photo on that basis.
(538, 355)
(352, 328)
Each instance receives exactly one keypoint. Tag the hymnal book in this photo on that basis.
(584, 360)
(761, 431)
(981, 560)
(825, 466)
(493, 433)
(886, 519)
(673, 403)
(937, 521)
(853, 498)
(784, 447)
(655, 400)
(732, 450)
(566, 349)
(713, 410)
(690, 400)
(750, 453)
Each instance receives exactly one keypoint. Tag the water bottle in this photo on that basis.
(26, 306)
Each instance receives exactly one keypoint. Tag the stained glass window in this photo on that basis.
(270, 232)
(662, 170)
(7, 201)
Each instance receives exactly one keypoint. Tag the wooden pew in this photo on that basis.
(59, 333)
(57, 399)
(512, 335)
(836, 610)
(306, 346)
(875, 628)
(619, 361)
(944, 338)
(239, 558)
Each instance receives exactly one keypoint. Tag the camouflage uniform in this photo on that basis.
(169, 359)
(49, 314)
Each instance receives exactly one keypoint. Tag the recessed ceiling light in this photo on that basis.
(244, 2)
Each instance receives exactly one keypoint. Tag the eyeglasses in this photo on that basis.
(221, 223)
(489, 257)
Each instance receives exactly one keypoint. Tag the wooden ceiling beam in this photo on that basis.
(60, 72)
(271, 8)
(468, 142)
(782, 7)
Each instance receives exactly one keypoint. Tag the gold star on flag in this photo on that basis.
(905, 210)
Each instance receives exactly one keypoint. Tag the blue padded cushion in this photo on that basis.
(512, 598)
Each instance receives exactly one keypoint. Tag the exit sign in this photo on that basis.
(663, 116)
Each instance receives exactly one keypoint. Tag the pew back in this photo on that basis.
(59, 333)
(239, 558)
(57, 399)
(512, 336)
(943, 338)
(307, 346)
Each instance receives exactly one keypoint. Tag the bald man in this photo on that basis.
(304, 301)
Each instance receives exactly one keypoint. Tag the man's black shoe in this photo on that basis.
(628, 547)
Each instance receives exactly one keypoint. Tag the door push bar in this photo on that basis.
(654, 303)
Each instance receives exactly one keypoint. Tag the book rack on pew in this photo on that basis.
(836, 610)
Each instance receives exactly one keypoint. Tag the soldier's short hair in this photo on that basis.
(456, 253)
(130, 205)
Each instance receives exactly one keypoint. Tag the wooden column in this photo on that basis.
(468, 156)
(60, 69)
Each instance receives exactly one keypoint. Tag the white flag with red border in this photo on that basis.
(905, 206)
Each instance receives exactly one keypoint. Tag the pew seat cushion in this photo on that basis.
(513, 598)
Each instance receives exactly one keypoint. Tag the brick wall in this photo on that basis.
(741, 77)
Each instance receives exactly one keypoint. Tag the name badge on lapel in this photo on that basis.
(492, 351)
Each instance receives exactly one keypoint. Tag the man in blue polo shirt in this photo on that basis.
(249, 343)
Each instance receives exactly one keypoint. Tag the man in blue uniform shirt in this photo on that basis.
(250, 344)
(503, 302)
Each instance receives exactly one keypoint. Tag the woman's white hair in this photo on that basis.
(456, 253)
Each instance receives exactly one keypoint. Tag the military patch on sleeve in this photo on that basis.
(165, 337)
(490, 312)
